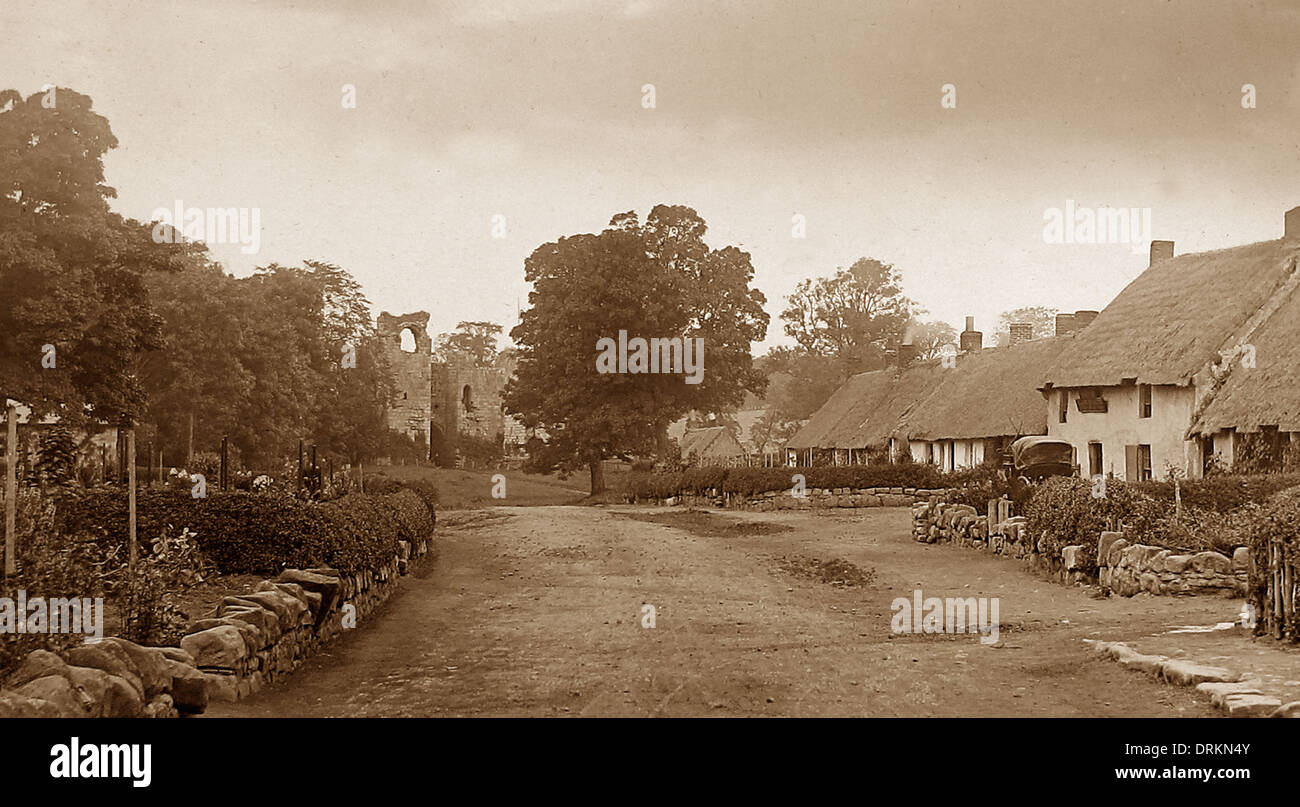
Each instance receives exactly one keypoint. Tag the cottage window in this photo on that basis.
(1144, 462)
(1065, 405)
(1144, 400)
(1095, 459)
(1090, 401)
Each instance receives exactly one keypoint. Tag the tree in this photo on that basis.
(656, 279)
(1042, 318)
(474, 342)
(74, 311)
(853, 316)
(930, 338)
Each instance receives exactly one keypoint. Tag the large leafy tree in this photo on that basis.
(72, 273)
(853, 316)
(74, 311)
(656, 278)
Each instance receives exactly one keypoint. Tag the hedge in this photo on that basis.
(752, 481)
(1220, 494)
(258, 533)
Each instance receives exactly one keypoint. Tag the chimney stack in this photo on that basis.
(1161, 251)
(1083, 319)
(1292, 229)
(1021, 332)
(1064, 324)
(971, 340)
(906, 354)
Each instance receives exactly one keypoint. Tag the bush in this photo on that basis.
(753, 481)
(1220, 494)
(244, 533)
(1064, 511)
(49, 565)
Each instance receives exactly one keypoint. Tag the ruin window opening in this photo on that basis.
(407, 336)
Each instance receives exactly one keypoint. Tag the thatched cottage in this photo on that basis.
(1196, 352)
(953, 414)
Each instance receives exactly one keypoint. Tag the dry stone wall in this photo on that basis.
(1126, 569)
(254, 640)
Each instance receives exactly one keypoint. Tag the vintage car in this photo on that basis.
(1037, 457)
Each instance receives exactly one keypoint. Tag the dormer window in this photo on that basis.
(1090, 401)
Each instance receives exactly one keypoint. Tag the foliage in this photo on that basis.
(1064, 511)
(56, 459)
(651, 279)
(472, 342)
(1042, 318)
(167, 566)
(852, 316)
(753, 481)
(246, 533)
(930, 338)
(50, 565)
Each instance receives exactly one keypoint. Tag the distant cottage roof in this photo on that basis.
(866, 410)
(711, 441)
(1175, 317)
(990, 393)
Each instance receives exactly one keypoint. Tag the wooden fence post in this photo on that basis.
(130, 496)
(11, 489)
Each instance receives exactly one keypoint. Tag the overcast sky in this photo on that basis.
(532, 109)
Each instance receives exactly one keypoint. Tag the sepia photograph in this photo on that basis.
(921, 362)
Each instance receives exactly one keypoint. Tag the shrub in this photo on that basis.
(1220, 494)
(244, 533)
(753, 481)
(49, 565)
(1064, 512)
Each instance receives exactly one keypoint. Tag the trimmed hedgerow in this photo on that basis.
(246, 533)
(1220, 494)
(752, 481)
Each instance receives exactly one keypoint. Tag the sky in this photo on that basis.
(535, 111)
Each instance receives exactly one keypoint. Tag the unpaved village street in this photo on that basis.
(536, 611)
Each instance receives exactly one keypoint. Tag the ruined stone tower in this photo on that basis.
(439, 400)
(407, 345)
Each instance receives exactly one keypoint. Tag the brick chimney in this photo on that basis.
(906, 354)
(1021, 332)
(1064, 324)
(1292, 228)
(1161, 251)
(1083, 319)
(971, 340)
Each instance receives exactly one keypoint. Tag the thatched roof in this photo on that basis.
(990, 393)
(1174, 317)
(1269, 393)
(712, 441)
(868, 408)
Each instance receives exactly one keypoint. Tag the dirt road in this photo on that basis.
(538, 611)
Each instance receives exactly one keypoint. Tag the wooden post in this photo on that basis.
(130, 496)
(148, 476)
(224, 473)
(11, 488)
(315, 471)
(300, 466)
(160, 466)
(103, 462)
(361, 477)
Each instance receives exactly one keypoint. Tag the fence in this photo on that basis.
(1277, 604)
